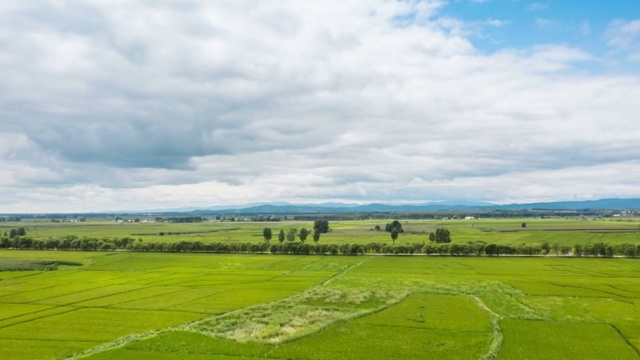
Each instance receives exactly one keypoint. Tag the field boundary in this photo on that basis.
(497, 336)
(625, 338)
(340, 273)
(363, 253)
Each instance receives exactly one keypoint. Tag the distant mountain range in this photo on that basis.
(604, 204)
(284, 208)
(328, 208)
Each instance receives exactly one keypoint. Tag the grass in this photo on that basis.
(40, 349)
(562, 340)
(94, 325)
(16, 310)
(359, 341)
(296, 316)
(436, 312)
(181, 345)
(203, 306)
(9, 264)
(508, 306)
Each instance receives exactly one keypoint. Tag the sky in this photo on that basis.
(136, 105)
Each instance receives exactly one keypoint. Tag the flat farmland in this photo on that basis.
(564, 231)
(123, 305)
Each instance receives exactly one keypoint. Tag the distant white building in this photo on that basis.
(469, 218)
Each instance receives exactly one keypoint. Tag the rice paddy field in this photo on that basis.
(124, 305)
(565, 231)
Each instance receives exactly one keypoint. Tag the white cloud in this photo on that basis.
(634, 57)
(544, 22)
(537, 6)
(496, 22)
(134, 105)
(624, 34)
(585, 28)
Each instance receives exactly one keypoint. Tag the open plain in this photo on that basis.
(125, 305)
(566, 231)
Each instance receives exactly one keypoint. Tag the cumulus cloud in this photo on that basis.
(133, 105)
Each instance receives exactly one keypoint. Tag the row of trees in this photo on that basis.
(70, 242)
(394, 228)
(473, 248)
(441, 235)
(186, 219)
(319, 227)
(290, 234)
(21, 231)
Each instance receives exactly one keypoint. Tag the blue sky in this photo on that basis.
(154, 105)
(576, 23)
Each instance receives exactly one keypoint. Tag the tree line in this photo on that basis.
(473, 248)
(319, 227)
(441, 235)
(12, 233)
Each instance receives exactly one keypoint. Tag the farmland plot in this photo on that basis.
(565, 231)
(195, 306)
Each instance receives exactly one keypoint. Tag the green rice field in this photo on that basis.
(565, 231)
(125, 305)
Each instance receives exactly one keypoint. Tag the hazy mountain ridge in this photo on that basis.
(325, 208)
(604, 204)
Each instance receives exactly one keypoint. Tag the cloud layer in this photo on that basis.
(134, 105)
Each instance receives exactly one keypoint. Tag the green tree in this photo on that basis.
(545, 248)
(303, 234)
(608, 251)
(267, 234)
(291, 234)
(316, 236)
(432, 236)
(491, 249)
(394, 235)
(322, 226)
(524, 225)
(395, 225)
(442, 235)
(281, 235)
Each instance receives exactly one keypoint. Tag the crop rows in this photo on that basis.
(194, 306)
